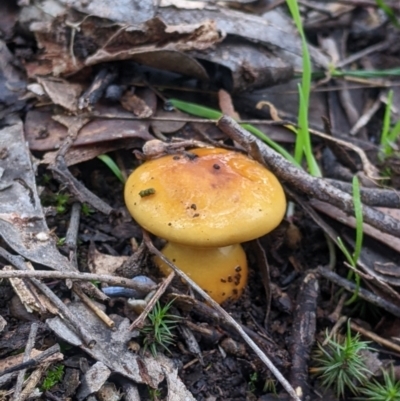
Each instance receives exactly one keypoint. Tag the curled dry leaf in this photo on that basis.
(97, 41)
(61, 92)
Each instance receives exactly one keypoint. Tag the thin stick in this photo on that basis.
(362, 293)
(93, 307)
(228, 318)
(138, 323)
(27, 354)
(374, 337)
(104, 278)
(33, 361)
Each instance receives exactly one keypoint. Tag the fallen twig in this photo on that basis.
(371, 196)
(27, 355)
(33, 361)
(362, 293)
(104, 278)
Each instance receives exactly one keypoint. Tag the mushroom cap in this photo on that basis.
(205, 197)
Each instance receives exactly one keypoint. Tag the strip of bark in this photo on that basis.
(303, 334)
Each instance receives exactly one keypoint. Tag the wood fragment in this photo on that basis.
(93, 307)
(375, 197)
(303, 333)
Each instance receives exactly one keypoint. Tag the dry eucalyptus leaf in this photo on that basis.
(168, 126)
(3, 323)
(79, 154)
(274, 30)
(12, 81)
(251, 66)
(22, 223)
(43, 133)
(97, 40)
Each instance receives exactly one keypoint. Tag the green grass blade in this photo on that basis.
(389, 12)
(359, 219)
(259, 134)
(196, 109)
(359, 237)
(110, 163)
(346, 253)
(391, 72)
(303, 122)
(303, 140)
(394, 132)
(385, 143)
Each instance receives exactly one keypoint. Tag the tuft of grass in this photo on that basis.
(86, 209)
(253, 382)
(53, 376)
(61, 201)
(389, 390)
(159, 331)
(340, 364)
(61, 241)
(154, 394)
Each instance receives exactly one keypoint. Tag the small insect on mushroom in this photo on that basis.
(147, 192)
(235, 199)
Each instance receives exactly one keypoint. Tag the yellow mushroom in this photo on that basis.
(205, 203)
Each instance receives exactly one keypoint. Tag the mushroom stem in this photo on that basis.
(221, 272)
